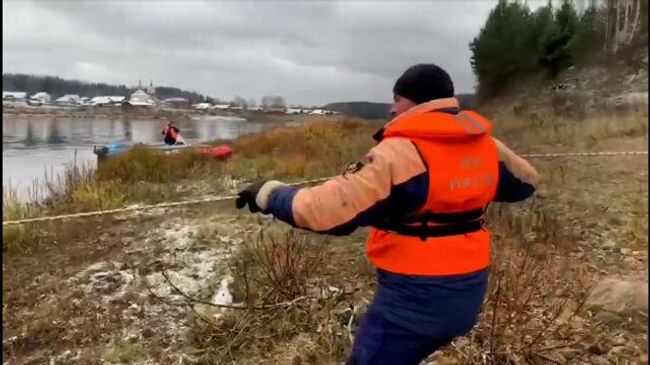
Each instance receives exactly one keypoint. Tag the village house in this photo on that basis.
(101, 101)
(68, 100)
(202, 106)
(322, 112)
(293, 111)
(140, 98)
(40, 98)
(221, 107)
(176, 103)
(14, 96)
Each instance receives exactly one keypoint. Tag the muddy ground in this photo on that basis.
(95, 293)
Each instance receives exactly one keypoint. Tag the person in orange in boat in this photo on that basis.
(171, 133)
(422, 190)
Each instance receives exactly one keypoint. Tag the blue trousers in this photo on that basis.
(379, 341)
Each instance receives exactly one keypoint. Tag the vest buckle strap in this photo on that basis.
(425, 231)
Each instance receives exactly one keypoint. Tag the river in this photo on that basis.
(33, 145)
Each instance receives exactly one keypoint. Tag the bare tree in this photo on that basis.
(626, 19)
(279, 101)
(266, 101)
(271, 101)
(239, 101)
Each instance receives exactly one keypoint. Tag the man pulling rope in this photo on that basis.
(423, 190)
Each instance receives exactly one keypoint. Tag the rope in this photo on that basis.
(139, 208)
(585, 154)
(306, 182)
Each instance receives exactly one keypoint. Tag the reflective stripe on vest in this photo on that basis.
(462, 163)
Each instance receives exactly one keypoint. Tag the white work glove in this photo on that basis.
(256, 195)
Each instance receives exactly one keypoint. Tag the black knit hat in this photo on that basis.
(424, 82)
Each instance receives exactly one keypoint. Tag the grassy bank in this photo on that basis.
(535, 300)
(543, 268)
(144, 176)
(314, 149)
(308, 293)
(317, 149)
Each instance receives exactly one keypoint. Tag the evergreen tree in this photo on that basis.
(516, 43)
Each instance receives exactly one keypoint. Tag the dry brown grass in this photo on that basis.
(534, 303)
(146, 165)
(14, 207)
(57, 193)
(125, 352)
(533, 306)
(535, 292)
(533, 310)
(554, 134)
(278, 267)
(318, 148)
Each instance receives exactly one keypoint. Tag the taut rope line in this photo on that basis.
(306, 182)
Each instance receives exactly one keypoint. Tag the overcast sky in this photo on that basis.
(311, 52)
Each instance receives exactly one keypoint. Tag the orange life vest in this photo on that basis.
(171, 131)
(446, 236)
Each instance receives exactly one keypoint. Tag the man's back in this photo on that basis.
(423, 189)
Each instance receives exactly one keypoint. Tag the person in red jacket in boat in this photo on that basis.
(171, 133)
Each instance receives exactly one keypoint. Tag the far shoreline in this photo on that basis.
(154, 113)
